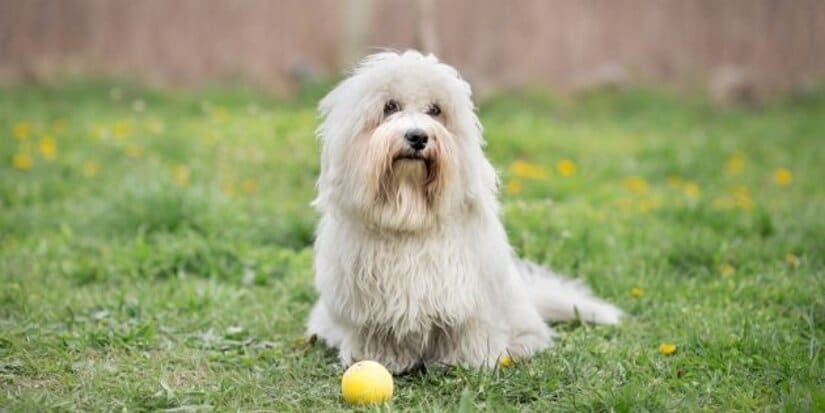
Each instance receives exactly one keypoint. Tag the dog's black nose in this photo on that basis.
(417, 138)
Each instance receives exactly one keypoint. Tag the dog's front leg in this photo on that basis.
(349, 348)
(394, 354)
(475, 343)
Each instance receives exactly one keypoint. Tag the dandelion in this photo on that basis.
(744, 202)
(691, 190)
(727, 270)
(735, 164)
(636, 185)
(782, 177)
(122, 129)
(527, 170)
(90, 169)
(48, 148)
(209, 137)
(22, 161)
(740, 190)
(650, 204)
(514, 186)
(21, 130)
(180, 173)
(792, 260)
(637, 292)
(249, 186)
(506, 361)
(134, 151)
(566, 167)
(667, 349)
(742, 197)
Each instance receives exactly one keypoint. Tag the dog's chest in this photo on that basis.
(415, 285)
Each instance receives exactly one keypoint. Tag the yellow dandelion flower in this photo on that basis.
(740, 190)
(249, 186)
(48, 148)
(180, 173)
(527, 170)
(792, 260)
(636, 184)
(727, 270)
(744, 202)
(735, 164)
(134, 151)
(637, 292)
(650, 204)
(691, 190)
(506, 361)
(514, 186)
(667, 349)
(122, 129)
(782, 177)
(566, 167)
(21, 130)
(208, 137)
(60, 125)
(22, 161)
(741, 197)
(90, 169)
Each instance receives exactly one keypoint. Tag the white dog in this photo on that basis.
(412, 261)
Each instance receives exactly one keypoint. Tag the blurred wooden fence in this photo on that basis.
(779, 44)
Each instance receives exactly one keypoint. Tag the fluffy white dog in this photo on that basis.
(412, 261)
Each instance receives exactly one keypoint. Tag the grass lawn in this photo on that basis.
(155, 253)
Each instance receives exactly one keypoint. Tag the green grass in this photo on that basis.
(163, 258)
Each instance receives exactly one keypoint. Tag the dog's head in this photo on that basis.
(402, 146)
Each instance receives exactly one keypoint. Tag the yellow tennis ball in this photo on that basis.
(366, 382)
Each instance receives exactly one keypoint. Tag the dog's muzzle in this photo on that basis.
(416, 138)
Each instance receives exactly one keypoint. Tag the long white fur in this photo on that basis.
(412, 262)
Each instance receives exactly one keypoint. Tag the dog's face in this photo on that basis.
(401, 144)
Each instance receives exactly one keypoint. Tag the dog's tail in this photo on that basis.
(560, 299)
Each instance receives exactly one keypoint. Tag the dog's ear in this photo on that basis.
(482, 188)
(327, 108)
(328, 102)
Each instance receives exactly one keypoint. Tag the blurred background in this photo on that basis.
(734, 49)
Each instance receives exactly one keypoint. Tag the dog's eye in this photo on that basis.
(434, 110)
(391, 107)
